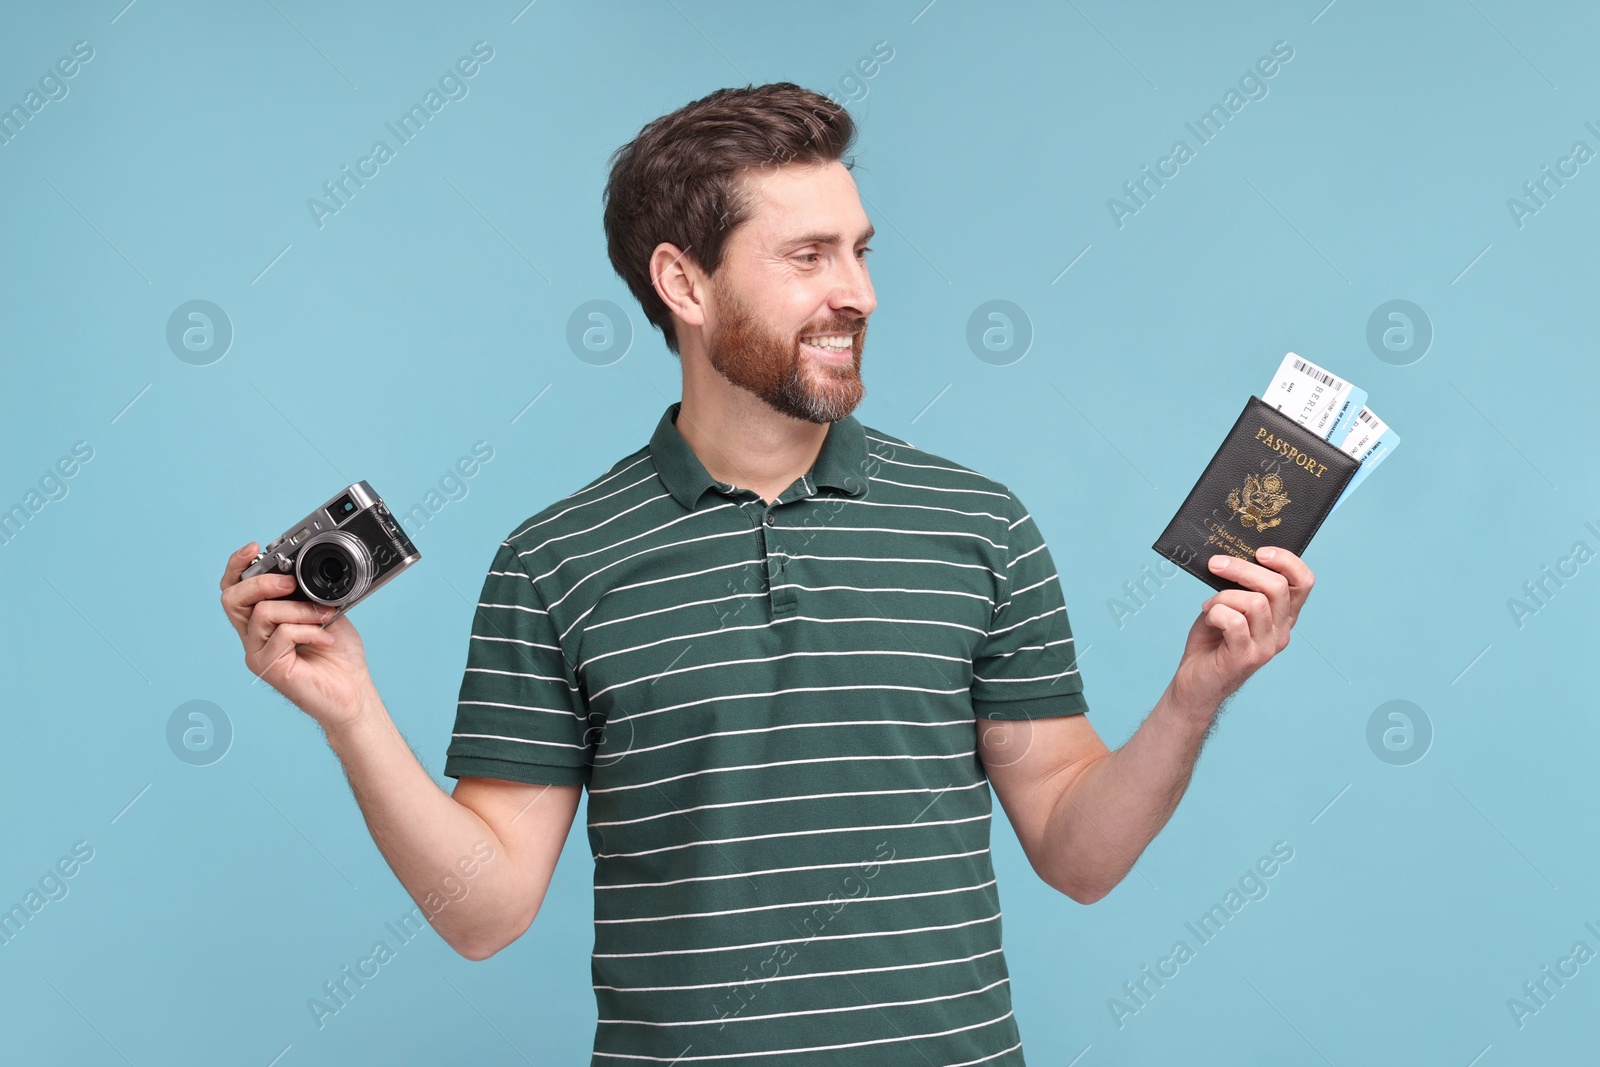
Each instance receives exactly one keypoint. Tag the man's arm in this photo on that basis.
(477, 863)
(1084, 813)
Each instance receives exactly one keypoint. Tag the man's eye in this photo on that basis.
(812, 256)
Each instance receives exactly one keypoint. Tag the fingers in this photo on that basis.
(1234, 626)
(279, 650)
(1294, 571)
(1262, 635)
(239, 599)
(1296, 575)
(1254, 606)
(1270, 583)
(271, 614)
(237, 563)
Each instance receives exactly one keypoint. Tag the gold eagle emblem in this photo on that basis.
(1259, 500)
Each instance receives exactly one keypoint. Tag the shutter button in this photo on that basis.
(771, 519)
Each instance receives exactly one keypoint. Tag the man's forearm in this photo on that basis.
(1117, 805)
(429, 839)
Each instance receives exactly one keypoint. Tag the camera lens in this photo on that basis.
(334, 568)
(327, 571)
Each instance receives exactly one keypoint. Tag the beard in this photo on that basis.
(748, 354)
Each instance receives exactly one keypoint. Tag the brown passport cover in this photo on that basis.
(1271, 482)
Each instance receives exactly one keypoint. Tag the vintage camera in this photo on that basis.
(341, 552)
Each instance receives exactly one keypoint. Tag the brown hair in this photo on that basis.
(677, 180)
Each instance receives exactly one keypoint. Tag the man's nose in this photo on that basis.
(854, 291)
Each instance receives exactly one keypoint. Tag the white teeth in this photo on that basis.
(837, 344)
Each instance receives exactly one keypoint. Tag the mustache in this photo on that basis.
(853, 328)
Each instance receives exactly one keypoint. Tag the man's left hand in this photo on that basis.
(1239, 630)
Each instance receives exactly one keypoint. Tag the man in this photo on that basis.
(787, 654)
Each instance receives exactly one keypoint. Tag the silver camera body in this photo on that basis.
(341, 553)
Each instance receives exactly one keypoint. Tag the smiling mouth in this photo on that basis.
(831, 348)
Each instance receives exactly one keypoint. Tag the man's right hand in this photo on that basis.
(321, 667)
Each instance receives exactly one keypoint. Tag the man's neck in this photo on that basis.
(742, 441)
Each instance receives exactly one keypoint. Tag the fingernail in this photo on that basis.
(1219, 562)
(1265, 553)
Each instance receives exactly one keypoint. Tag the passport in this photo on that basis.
(1271, 482)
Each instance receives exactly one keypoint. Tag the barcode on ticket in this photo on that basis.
(1307, 369)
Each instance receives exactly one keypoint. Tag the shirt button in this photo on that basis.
(772, 520)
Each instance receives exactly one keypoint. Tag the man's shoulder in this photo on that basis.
(898, 462)
(622, 485)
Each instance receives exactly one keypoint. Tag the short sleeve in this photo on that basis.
(1026, 667)
(521, 714)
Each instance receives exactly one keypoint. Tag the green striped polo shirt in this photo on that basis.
(773, 709)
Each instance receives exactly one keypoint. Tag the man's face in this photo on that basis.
(795, 272)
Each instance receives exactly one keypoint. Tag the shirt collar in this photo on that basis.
(841, 463)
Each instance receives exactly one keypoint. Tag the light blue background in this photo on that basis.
(430, 311)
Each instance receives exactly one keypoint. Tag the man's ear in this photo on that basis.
(679, 282)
